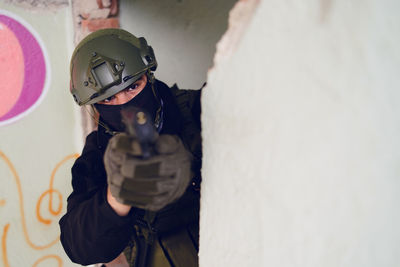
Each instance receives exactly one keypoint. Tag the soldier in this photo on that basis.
(128, 199)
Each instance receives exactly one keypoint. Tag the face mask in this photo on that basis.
(111, 114)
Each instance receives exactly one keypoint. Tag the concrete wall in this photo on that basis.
(301, 122)
(37, 132)
(183, 35)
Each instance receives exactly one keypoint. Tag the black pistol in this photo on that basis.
(138, 124)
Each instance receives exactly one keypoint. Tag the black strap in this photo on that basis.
(187, 101)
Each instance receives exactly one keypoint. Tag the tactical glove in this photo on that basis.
(150, 183)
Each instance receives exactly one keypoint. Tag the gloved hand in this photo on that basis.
(151, 183)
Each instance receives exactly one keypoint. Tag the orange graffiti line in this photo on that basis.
(4, 251)
(39, 203)
(4, 245)
(21, 207)
(57, 258)
(56, 212)
(50, 192)
(2, 202)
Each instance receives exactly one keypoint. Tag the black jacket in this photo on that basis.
(91, 232)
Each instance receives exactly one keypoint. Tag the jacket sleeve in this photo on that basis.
(91, 232)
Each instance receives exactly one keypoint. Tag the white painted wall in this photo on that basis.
(183, 34)
(301, 127)
(32, 153)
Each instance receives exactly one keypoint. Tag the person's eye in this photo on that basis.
(133, 87)
(109, 99)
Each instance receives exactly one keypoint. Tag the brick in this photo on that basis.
(92, 25)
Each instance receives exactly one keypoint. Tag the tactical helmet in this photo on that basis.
(106, 62)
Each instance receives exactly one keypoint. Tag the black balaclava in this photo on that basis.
(111, 114)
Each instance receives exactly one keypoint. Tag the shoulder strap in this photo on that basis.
(188, 102)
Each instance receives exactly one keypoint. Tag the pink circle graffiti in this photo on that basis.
(23, 68)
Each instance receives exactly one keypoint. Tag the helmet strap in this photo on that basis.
(97, 120)
(158, 120)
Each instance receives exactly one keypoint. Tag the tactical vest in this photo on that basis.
(169, 238)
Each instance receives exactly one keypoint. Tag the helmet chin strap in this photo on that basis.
(104, 125)
(158, 120)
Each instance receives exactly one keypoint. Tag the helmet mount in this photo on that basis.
(103, 72)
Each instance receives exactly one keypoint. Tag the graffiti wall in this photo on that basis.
(37, 134)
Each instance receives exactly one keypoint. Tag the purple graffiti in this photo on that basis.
(34, 69)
